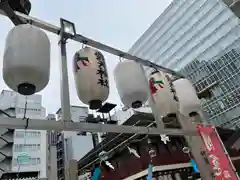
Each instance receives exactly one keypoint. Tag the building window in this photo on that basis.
(21, 134)
(26, 147)
(29, 162)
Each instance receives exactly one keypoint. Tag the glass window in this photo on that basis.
(26, 147)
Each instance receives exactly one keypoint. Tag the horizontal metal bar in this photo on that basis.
(122, 54)
(38, 124)
(82, 39)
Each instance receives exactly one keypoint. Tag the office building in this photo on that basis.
(201, 39)
(29, 146)
(72, 145)
(6, 143)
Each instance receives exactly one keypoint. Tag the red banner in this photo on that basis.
(219, 160)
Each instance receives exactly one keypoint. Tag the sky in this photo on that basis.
(115, 23)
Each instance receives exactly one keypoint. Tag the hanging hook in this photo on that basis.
(83, 45)
(120, 58)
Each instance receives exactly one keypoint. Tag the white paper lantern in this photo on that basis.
(26, 61)
(187, 95)
(131, 84)
(163, 94)
(91, 77)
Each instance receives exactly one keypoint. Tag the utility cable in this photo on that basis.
(25, 131)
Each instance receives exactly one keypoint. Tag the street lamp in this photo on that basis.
(67, 29)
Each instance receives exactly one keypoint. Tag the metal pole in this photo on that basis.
(64, 84)
(39, 124)
(90, 42)
(73, 169)
(196, 147)
(66, 158)
(52, 148)
(53, 162)
(65, 100)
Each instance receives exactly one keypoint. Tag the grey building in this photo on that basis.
(6, 144)
(201, 39)
(72, 145)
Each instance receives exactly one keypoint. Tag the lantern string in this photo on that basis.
(24, 135)
(83, 45)
(120, 58)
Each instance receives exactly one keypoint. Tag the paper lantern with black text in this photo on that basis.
(91, 77)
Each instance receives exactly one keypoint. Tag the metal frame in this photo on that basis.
(87, 127)
(37, 124)
(65, 124)
(79, 38)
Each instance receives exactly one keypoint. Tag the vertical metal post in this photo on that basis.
(53, 156)
(65, 100)
(66, 159)
(196, 147)
(73, 169)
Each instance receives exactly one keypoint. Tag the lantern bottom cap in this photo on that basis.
(26, 89)
(137, 104)
(95, 104)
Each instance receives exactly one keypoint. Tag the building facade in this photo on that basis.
(201, 39)
(29, 152)
(6, 143)
(72, 145)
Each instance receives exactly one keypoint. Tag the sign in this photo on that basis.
(23, 158)
(219, 160)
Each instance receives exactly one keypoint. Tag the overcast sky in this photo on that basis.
(116, 23)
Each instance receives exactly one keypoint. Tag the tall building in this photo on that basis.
(72, 145)
(52, 150)
(29, 146)
(6, 143)
(201, 39)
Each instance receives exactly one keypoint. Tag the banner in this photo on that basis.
(219, 160)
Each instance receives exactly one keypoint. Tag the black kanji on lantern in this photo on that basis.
(172, 89)
(101, 71)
